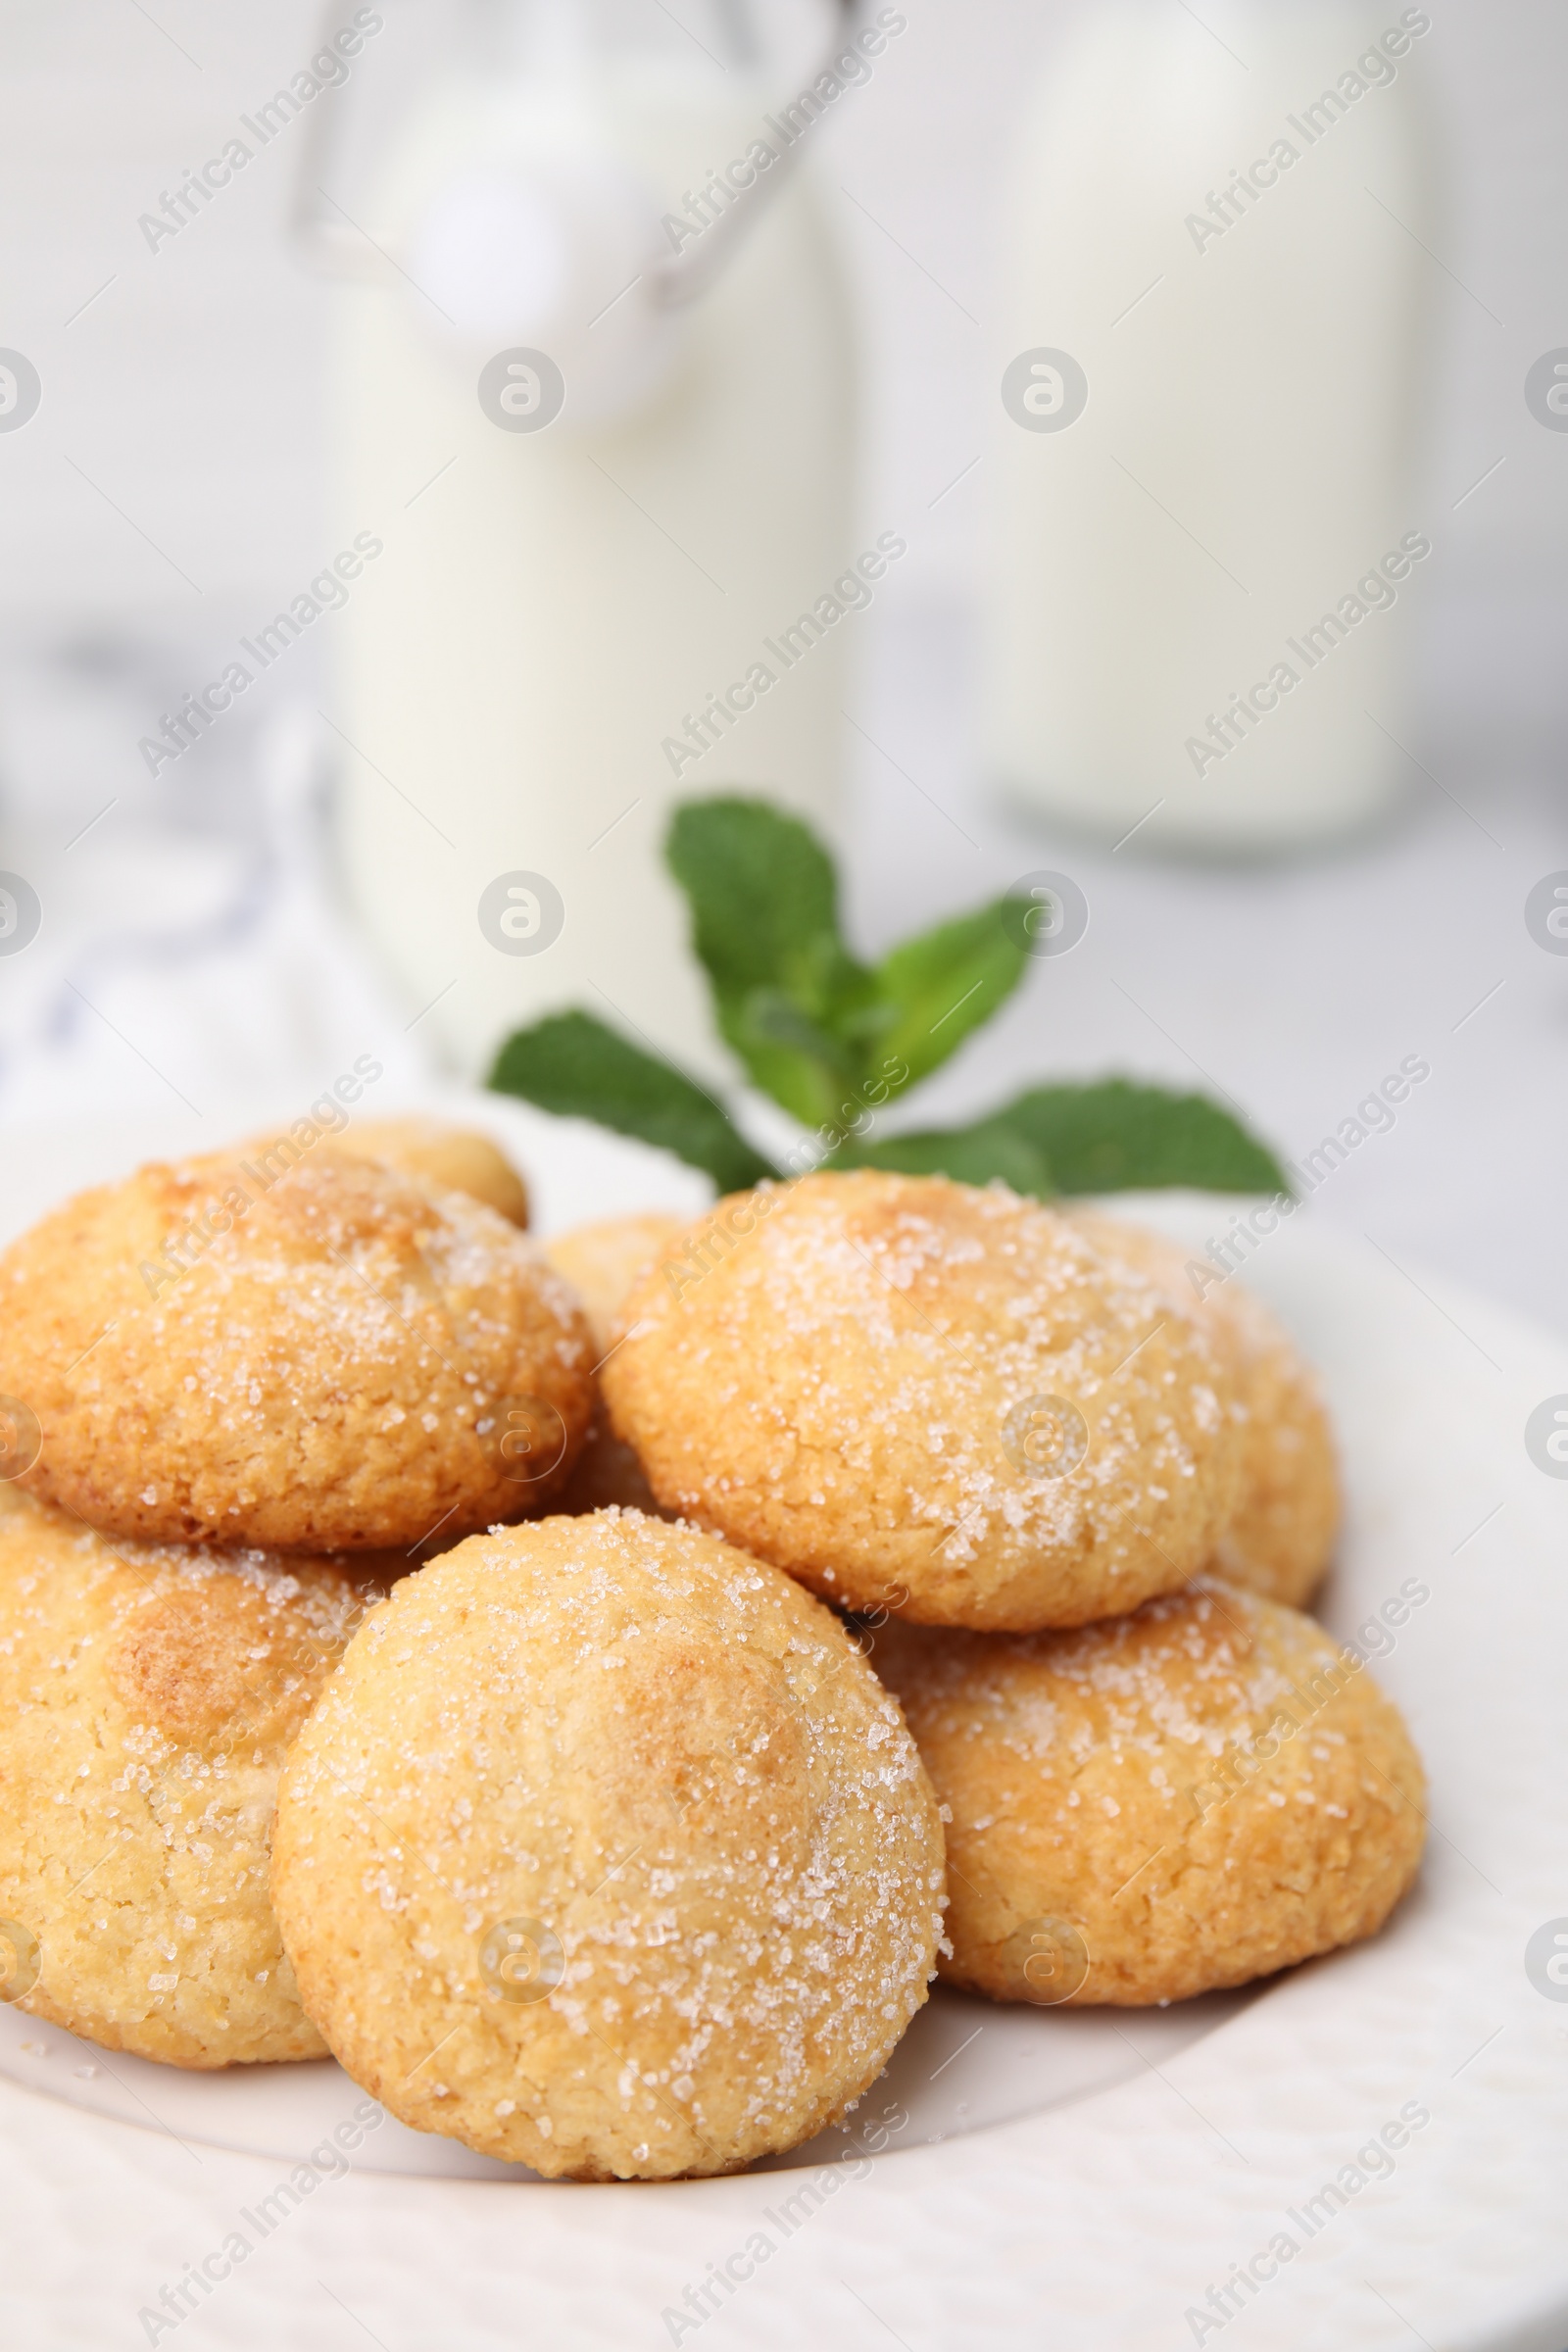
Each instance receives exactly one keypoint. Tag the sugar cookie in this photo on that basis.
(147, 1695)
(1281, 1533)
(914, 1393)
(347, 1360)
(1161, 1805)
(607, 1852)
(601, 1261)
(453, 1159)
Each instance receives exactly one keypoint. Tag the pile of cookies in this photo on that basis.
(408, 1642)
(242, 1394)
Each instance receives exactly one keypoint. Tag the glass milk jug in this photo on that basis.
(598, 494)
(1205, 537)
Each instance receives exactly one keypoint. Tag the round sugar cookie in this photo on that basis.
(1161, 1805)
(1281, 1535)
(147, 1695)
(607, 1852)
(452, 1159)
(315, 1353)
(918, 1394)
(600, 1261)
(603, 1261)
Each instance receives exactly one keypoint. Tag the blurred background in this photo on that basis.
(216, 392)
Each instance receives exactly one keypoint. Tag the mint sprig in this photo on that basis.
(808, 1019)
(834, 1040)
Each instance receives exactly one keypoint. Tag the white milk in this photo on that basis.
(559, 603)
(1242, 460)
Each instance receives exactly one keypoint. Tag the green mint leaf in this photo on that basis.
(791, 1001)
(1115, 1136)
(943, 984)
(573, 1065)
(976, 1154)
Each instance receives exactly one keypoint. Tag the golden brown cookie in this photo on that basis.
(1161, 1804)
(147, 1695)
(601, 1261)
(910, 1391)
(605, 1853)
(1287, 1516)
(322, 1356)
(450, 1160)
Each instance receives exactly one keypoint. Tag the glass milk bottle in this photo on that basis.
(1205, 539)
(595, 505)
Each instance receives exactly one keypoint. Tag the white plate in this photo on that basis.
(1075, 2179)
